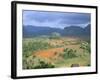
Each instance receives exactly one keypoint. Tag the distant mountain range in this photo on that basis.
(30, 31)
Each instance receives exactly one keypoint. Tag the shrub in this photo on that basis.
(31, 46)
(34, 62)
(69, 53)
(43, 64)
(86, 47)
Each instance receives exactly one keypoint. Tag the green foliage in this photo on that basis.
(55, 35)
(33, 46)
(69, 53)
(60, 59)
(43, 64)
(34, 62)
(30, 46)
(86, 47)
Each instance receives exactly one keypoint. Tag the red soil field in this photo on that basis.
(48, 53)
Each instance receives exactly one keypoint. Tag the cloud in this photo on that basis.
(55, 19)
(76, 18)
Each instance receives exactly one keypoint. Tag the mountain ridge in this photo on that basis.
(30, 31)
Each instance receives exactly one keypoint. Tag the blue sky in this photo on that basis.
(55, 19)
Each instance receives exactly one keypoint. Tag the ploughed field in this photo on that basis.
(44, 52)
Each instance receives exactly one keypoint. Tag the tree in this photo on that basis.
(43, 64)
(69, 53)
(55, 35)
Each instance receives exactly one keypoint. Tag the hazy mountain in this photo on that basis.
(87, 29)
(74, 30)
(30, 31)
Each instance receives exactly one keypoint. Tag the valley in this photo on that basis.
(40, 52)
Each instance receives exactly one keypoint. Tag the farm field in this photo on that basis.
(46, 52)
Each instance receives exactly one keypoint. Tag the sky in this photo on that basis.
(55, 19)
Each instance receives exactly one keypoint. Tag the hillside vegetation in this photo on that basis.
(55, 51)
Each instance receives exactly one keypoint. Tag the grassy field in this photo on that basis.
(45, 52)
